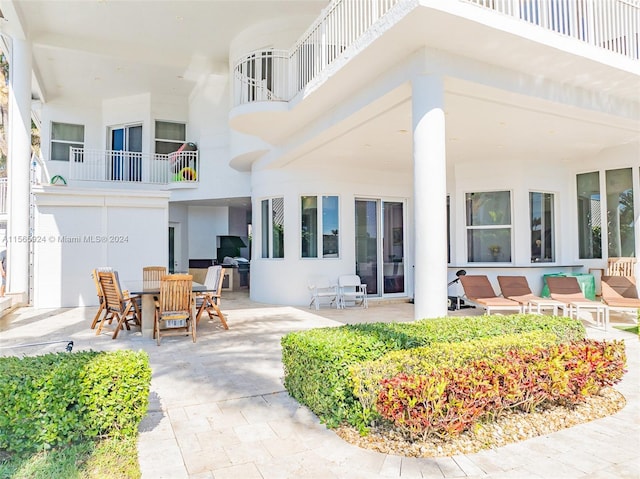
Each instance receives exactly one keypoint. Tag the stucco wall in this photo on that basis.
(78, 230)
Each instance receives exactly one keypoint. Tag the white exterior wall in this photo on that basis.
(294, 270)
(79, 230)
(205, 223)
(87, 115)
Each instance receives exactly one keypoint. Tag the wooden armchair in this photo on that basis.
(153, 273)
(621, 267)
(174, 308)
(209, 301)
(96, 283)
(118, 306)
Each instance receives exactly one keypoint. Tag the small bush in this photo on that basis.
(366, 377)
(316, 362)
(57, 399)
(449, 401)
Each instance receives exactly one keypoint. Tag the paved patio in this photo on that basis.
(219, 410)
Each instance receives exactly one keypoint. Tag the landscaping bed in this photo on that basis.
(449, 385)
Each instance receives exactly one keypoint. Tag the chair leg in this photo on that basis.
(121, 319)
(97, 316)
(220, 315)
(156, 328)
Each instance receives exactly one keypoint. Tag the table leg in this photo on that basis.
(148, 313)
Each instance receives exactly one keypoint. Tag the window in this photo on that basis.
(621, 235)
(488, 217)
(311, 223)
(169, 136)
(63, 137)
(589, 214)
(272, 215)
(542, 236)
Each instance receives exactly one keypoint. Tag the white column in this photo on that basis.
(18, 167)
(429, 197)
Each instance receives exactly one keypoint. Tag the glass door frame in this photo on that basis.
(380, 277)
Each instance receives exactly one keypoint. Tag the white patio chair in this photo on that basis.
(351, 289)
(322, 289)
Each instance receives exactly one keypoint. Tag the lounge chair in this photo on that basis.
(478, 291)
(517, 288)
(567, 290)
(620, 294)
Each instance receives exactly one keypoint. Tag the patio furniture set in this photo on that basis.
(175, 302)
(348, 289)
(619, 293)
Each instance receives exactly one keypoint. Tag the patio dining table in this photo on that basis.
(148, 290)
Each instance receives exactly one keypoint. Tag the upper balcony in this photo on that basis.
(175, 170)
(279, 76)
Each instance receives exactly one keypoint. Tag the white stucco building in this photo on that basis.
(401, 140)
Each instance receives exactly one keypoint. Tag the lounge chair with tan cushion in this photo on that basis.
(567, 290)
(620, 293)
(478, 291)
(517, 288)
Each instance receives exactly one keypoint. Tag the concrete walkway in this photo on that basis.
(219, 410)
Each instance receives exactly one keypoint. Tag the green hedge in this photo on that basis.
(60, 398)
(316, 362)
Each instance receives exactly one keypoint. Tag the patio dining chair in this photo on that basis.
(209, 301)
(118, 305)
(478, 291)
(153, 273)
(567, 290)
(101, 302)
(351, 289)
(517, 289)
(174, 315)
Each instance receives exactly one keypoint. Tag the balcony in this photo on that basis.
(178, 169)
(278, 76)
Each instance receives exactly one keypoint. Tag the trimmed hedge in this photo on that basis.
(316, 362)
(59, 398)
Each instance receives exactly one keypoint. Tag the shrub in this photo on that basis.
(60, 398)
(448, 401)
(367, 376)
(316, 362)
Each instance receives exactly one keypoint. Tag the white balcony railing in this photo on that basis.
(133, 167)
(275, 75)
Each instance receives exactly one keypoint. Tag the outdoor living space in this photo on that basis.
(219, 409)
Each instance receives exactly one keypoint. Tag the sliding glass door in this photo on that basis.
(379, 244)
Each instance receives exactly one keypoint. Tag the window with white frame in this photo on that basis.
(63, 137)
(169, 136)
(488, 224)
(319, 226)
(589, 215)
(272, 237)
(542, 227)
(620, 213)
